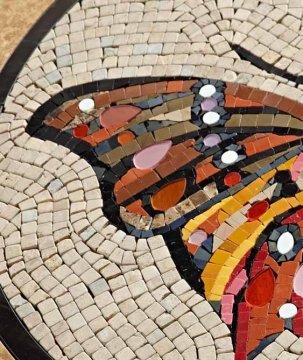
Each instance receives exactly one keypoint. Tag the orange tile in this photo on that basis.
(168, 195)
(174, 86)
(133, 91)
(161, 87)
(148, 89)
(117, 95)
(100, 135)
(136, 208)
(125, 137)
(204, 171)
(230, 101)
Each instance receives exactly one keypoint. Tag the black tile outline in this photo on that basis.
(17, 339)
(13, 333)
(172, 238)
(263, 65)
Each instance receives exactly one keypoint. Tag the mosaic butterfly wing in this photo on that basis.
(216, 168)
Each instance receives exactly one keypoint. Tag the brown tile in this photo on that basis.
(188, 84)
(102, 99)
(282, 120)
(199, 198)
(56, 123)
(72, 108)
(131, 147)
(122, 195)
(249, 120)
(161, 87)
(272, 100)
(244, 92)
(163, 134)
(177, 130)
(258, 95)
(65, 117)
(145, 140)
(150, 179)
(162, 109)
(165, 169)
(265, 119)
(187, 101)
(295, 123)
(174, 105)
(116, 95)
(234, 121)
(286, 104)
(148, 89)
(133, 91)
(297, 111)
(231, 88)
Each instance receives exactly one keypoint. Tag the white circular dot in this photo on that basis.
(288, 311)
(86, 105)
(207, 90)
(285, 243)
(229, 157)
(211, 118)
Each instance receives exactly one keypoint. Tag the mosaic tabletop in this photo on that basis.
(151, 182)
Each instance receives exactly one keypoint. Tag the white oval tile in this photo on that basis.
(86, 105)
(285, 242)
(229, 157)
(287, 311)
(207, 90)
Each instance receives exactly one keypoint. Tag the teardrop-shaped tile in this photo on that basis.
(261, 288)
(298, 282)
(257, 209)
(119, 115)
(150, 157)
(168, 195)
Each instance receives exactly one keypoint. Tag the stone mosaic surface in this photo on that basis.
(151, 182)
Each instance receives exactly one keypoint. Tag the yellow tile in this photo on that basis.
(232, 206)
(268, 175)
(244, 195)
(242, 250)
(288, 164)
(228, 246)
(256, 186)
(193, 224)
(232, 262)
(239, 253)
(245, 231)
(299, 197)
(293, 202)
(218, 289)
(222, 216)
(208, 283)
(185, 234)
(280, 206)
(247, 245)
(219, 257)
(213, 297)
(267, 217)
(225, 272)
(211, 270)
